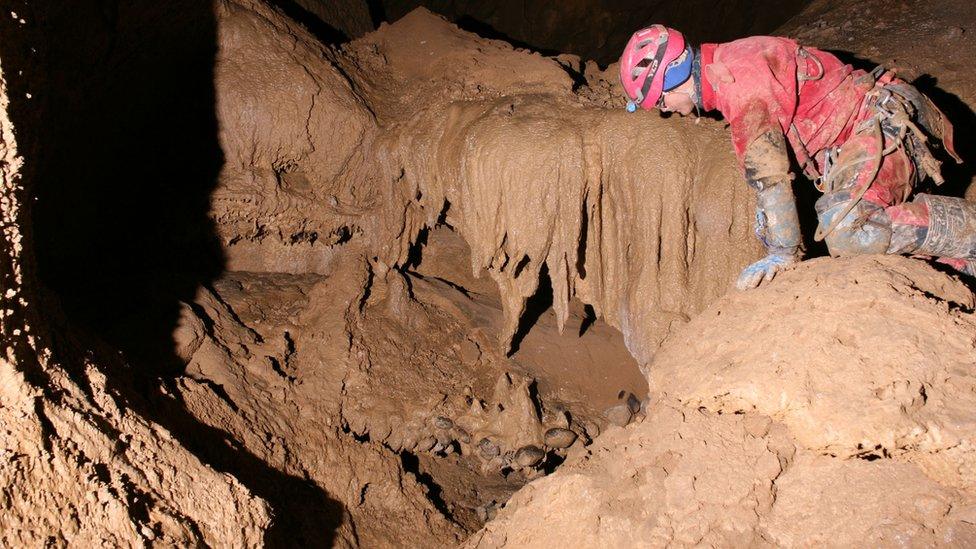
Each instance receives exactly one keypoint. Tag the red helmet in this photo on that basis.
(648, 52)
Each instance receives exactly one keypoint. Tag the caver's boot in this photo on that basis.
(951, 230)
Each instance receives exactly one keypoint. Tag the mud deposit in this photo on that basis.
(821, 421)
(264, 285)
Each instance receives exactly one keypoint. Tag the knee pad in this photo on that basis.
(866, 229)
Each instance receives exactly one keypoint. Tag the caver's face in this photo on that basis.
(679, 99)
(678, 102)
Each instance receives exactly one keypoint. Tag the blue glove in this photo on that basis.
(764, 270)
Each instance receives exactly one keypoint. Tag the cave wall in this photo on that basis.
(296, 138)
(598, 29)
(83, 464)
(347, 19)
(141, 127)
(592, 29)
(164, 162)
(125, 155)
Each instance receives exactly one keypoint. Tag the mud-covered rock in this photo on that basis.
(619, 415)
(867, 356)
(295, 179)
(557, 437)
(832, 406)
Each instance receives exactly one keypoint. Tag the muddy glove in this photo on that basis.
(777, 224)
(764, 270)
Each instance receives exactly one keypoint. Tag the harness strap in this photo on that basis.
(875, 127)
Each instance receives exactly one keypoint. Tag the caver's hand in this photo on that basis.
(764, 270)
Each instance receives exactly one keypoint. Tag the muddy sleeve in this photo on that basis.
(767, 170)
(752, 121)
(760, 94)
(765, 161)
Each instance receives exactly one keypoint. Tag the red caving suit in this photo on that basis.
(762, 84)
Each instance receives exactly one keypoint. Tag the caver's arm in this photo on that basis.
(777, 225)
(755, 88)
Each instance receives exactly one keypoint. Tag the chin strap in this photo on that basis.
(696, 78)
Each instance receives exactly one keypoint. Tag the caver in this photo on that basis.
(865, 138)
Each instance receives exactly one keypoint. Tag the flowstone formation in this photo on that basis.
(830, 407)
(540, 179)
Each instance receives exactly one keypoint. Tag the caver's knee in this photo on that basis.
(865, 229)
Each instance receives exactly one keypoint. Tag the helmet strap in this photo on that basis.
(696, 78)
